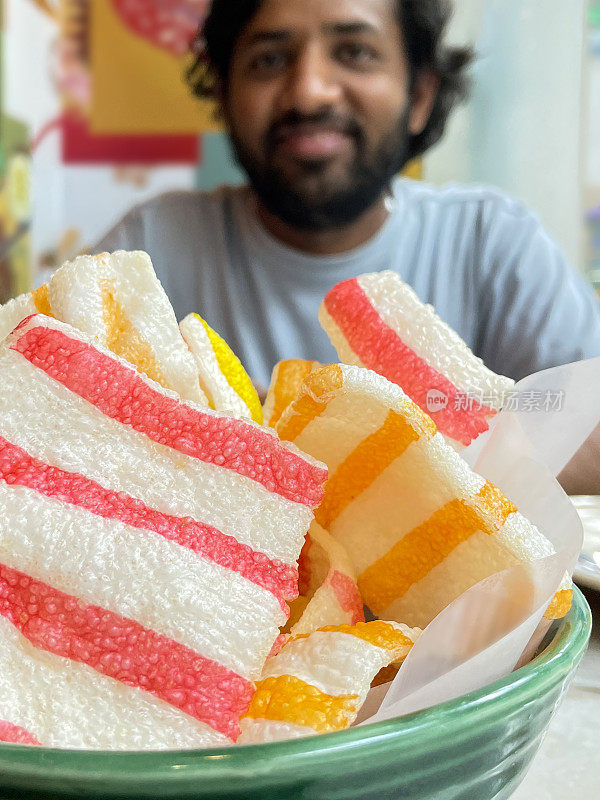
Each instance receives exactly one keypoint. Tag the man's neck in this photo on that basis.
(329, 242)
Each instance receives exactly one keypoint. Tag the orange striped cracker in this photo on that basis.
(286, 380)
(378, 633)
(370, 458)
(561, 602)
(560, 605)
(290, 699)
(118, 299)
(41, 300)
(17, 309)
(419, 526)
(329, 594)
(405, 565)
(316, 391)
(318, 682)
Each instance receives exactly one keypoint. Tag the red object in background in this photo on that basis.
(81, 146)
(168, 24)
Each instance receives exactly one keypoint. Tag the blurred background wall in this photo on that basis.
(94, 118)
(533, 123)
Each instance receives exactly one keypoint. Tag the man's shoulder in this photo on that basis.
(480, 200)
(175, 221)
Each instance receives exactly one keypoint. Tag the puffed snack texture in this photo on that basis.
(418, 524)
(378, 322)
(117, 298)
(148, 550)
(318, 681)
(222, 377)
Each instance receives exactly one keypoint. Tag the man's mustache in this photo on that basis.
(294, 121)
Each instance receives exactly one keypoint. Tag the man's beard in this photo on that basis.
(368, 176)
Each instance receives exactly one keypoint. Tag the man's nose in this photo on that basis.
(312, 82)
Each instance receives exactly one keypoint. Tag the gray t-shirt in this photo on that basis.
(479, 257)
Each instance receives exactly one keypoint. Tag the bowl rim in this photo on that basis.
(280, 759)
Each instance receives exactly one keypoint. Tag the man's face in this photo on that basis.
(318, 107)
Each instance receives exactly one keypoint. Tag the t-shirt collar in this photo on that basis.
(365, 257)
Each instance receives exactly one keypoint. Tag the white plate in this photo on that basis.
(587, 571)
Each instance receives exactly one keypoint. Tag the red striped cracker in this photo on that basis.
(377, 321)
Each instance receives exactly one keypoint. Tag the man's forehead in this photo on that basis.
(287, 17)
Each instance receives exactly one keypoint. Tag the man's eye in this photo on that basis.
(267, 63)
(356, 54)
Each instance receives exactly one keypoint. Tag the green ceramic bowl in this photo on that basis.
(475, 748)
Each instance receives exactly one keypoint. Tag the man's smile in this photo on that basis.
(313, 142)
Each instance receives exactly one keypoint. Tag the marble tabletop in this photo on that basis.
(567, 766)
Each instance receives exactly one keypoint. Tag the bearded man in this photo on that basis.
(324, 104)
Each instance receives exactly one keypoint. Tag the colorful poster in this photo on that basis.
(15, 195)
(81, 146)
(83, 182)
(15, 208)
(139, 53)
(74, 80)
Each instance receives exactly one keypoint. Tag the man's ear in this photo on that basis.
(218, 91)
(423, 97)
(219, 100)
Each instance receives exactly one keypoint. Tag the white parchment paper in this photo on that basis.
(481, 636)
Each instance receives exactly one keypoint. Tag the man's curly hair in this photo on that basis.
(423, 23)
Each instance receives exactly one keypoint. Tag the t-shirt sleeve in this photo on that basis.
(537, 312)
(127, 234)
(132, 233)
(185, 234)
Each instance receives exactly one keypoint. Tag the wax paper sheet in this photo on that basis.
(483, 635)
